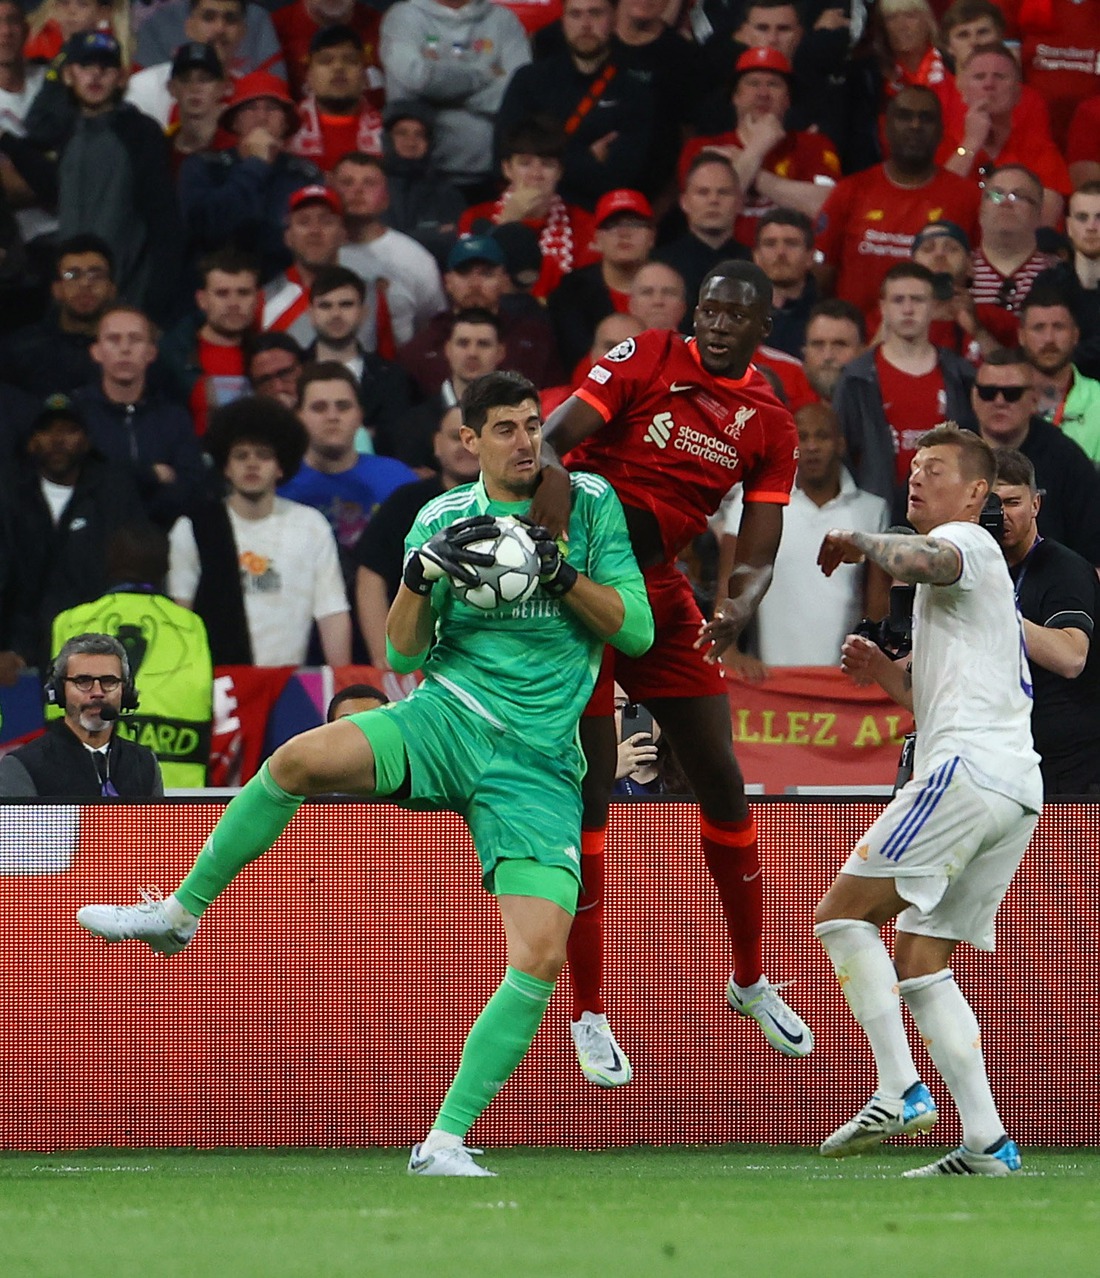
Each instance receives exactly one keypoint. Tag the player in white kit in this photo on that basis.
(941, 857)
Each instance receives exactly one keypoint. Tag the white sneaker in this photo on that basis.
(602, 1060)
(1000, 1160)
(881, 1118)
(787, 1032)
(146, 922)
(454, 1160)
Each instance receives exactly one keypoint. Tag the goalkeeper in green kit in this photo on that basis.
(491, 733)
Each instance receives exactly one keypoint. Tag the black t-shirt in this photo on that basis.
(381, 548)
(1057, 588)
(1070, 512)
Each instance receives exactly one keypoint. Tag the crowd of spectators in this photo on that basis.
(252, 254)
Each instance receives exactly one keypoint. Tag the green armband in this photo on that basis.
(402, 664)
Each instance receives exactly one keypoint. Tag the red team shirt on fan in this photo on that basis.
(222, 380)
(868, 223)
(324, 139)
(1084, 131)
(1060, 51)
(1026, 146)
(295, 29)
(912, 405)
(678, 438)
(799, 157)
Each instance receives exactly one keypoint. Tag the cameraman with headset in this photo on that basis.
(80, 756)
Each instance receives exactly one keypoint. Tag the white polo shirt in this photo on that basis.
(804, 617)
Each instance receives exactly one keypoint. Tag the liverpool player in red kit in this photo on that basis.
(673, 423)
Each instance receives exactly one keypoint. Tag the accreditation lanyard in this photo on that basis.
(1024, 565)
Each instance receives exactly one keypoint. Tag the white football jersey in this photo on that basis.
(971, 684)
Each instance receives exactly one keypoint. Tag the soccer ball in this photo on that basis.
(513, 574)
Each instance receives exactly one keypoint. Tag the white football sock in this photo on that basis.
(951, 1033)
(870, 984)
(436, 1140)
(176, 914)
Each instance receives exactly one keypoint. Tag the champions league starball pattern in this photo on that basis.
(514, 573)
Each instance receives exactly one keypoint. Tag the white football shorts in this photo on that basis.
(951, 848)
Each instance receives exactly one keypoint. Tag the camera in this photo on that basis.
(992, 518)
(894, 633)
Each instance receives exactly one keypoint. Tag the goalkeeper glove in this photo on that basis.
(447, 553)
(556, 576)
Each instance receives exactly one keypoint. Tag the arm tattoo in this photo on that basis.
(912, 559)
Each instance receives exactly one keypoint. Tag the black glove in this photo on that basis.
(447, 554)
(556, 576)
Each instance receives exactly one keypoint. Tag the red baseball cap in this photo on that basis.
(612, 203)
(255, 85)
(762, 58)
(316, 194)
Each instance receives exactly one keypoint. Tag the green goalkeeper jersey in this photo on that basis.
(529, 668)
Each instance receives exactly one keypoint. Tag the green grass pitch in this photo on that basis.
(744, 1210)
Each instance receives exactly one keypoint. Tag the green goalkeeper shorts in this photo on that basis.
(520, 804)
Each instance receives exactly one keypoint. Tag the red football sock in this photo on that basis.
(586, 935)
(733, 859)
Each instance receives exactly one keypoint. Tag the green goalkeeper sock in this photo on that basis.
(250, 824)
(496, 1044)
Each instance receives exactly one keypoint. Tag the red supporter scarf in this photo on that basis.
(556, 237)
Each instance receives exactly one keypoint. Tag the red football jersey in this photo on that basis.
(800, 156)
(678, 438)
(868, 223)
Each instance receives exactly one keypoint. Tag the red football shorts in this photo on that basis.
(672, 667)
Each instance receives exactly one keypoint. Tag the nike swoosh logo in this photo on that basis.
(791, 1038)
(748, 878)
(681, 386)
(618, 1066)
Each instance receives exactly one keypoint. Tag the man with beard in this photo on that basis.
(1079, 279)
(1048, 336)
(81, 755)
(336, 115)
(203, 355)
(1057, 594)
(608, 116)
(784, 251)
(835, 335)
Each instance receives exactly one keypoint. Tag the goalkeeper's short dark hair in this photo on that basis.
(500, 389)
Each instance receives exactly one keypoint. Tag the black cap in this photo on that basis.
(92, 48)
(195, 56)
(57, 408)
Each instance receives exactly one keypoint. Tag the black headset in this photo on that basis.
(55, 689)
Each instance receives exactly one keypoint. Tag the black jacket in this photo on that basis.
(1070, 485)
(576, 307)
(141, 435)
(57, 766)
(58, 566)
(611, 103)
